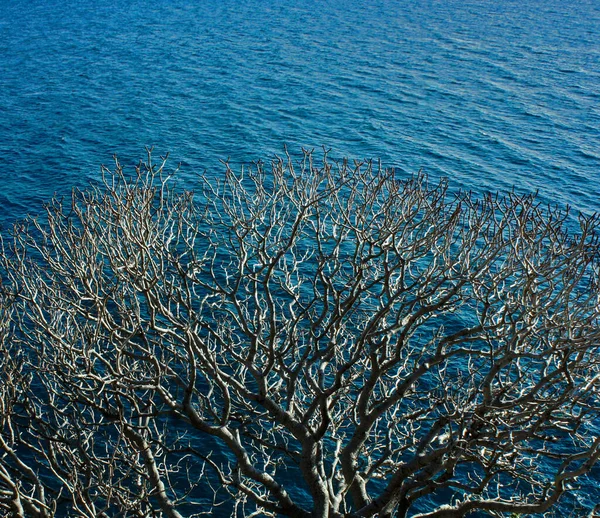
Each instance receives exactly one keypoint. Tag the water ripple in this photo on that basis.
(494, 95)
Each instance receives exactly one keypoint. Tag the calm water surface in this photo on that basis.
(491, 94)
(494, 95)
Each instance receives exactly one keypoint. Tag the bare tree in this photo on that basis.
(304, 340)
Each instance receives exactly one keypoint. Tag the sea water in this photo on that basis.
(493, 95)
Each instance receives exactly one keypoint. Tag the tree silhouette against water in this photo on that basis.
(298, 340)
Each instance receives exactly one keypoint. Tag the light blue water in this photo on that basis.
(494, 95)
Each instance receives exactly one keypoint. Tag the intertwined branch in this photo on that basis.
(302, 340)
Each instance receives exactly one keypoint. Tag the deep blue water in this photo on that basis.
(491, 94)
(494, 95)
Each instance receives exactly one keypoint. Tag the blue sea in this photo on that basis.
(495, 95)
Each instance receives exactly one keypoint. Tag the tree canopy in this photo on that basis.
(307, 339)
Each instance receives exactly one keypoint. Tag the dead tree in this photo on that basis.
(302, 340)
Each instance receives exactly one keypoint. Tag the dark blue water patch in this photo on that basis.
(178, 75)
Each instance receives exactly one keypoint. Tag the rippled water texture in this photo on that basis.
(494, 95)
(491, 94)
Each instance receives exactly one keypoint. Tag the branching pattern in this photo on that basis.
(301, 340)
